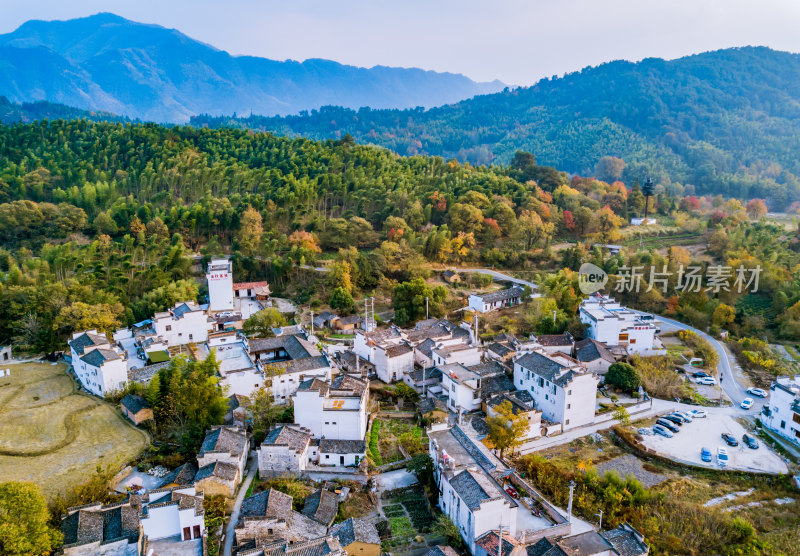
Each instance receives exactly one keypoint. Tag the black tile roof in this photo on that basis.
(322, 506)
(468, 489)
(287, 435)
(134, 403)
(85, 340)
(269, 503)
(221, 469)
(502, 295)
(98, 356)
(592, 350)
(224, 439)
(182, 475)
(554, 340)
(352, 530)
(494, 384)
(145, 374)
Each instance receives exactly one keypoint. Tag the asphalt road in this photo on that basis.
(733, 388)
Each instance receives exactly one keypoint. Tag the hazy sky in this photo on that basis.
(516, 41)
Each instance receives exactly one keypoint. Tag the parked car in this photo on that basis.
(747, 403)
(681, 415)
(700, 374)
(705, 455)
(675, 419)
(667, 425)
(729, 439)
(750, 442)
(681, 371)
(757, 392)
(722, 456)
(646, 431)
(706, 380)
(512, 492)
(658, 429)
(699, 413)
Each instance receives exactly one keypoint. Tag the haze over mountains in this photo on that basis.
(105, 62)
(726, 122)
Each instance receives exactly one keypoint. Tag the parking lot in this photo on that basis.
(685, 445)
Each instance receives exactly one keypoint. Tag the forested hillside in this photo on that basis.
(13, 112)
(106, 62)
(725, 122)
(101, 224)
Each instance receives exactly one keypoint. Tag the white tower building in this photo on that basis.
(220, 285)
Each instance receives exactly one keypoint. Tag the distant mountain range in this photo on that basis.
(108, 63)
(725, 122)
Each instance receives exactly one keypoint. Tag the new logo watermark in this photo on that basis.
(591, 278)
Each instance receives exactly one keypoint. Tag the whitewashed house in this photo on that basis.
(562, 389)
(287, 361)
(225, 444)
(499, 299)
(100, 368)
(782, 412)
(166, 521)
(472, 486)
(186, 323)
(387, 350)
(615, 325)
(467, 387)
(554, 343)
(456, 353)
(285, 450)
(335, 410)
(173, 512)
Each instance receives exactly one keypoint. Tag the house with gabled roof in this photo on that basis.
(218, 478)
(98, 365)
(185, 323)
(163, 521)
(267, 516)
(358, 537)
(287, 361)
(561, 387)
(554, 343)
(594, 355)
(335, 410)
(483, 303)
(285, 450)
(136, 408)
(472, 484)
(227, 444)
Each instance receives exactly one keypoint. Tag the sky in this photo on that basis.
(515, 41)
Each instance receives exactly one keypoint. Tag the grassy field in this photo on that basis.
(54, 436)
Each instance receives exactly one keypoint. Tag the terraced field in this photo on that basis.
(54, 436)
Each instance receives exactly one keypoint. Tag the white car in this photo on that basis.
(706, 380)
(757, 392)
(747, 403)
(698, 413)
(722, 456)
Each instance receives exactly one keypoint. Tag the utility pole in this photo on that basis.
(569, 508)
(601, 520)
(500, 537)
(312, 323)
(366, 315)
(426, 307)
